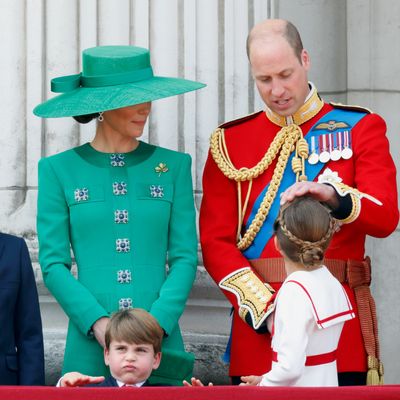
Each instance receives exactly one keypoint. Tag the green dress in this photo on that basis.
(125, 216)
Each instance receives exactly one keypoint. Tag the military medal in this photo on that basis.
(347, 152)
(339, 138)
(313, 157)
(335, 152)
(324, 156)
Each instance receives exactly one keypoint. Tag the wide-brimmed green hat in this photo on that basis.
(112, 77)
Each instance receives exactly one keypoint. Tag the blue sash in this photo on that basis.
(289, 177)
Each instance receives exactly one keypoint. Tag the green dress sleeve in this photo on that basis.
(55, 254)
(182, 252)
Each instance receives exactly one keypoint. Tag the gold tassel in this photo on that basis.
(372, 374)
(381, 373)
(373, 377)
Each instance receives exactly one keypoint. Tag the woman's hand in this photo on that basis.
(252, 380)
(99, 330)
(195, 382)
(72, 379)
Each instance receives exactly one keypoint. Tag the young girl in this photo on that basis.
(311, 306)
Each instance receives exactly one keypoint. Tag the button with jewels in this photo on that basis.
(120, 188)
(124, 276)
(156, 191)
(81, 194)
(117, 160)
(123, 245)
(125, 303)
(121, 216)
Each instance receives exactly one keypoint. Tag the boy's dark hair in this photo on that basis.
(134, 326)
(304, 230)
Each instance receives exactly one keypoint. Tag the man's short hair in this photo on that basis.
(292, 36)
(134, 326)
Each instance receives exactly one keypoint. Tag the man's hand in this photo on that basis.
(99, 330)
(72, 379)
(195, 382)
(251, 380)
(319, 191)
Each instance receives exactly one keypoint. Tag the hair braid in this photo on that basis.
(309, 253)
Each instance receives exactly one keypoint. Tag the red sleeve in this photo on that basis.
(218, 224)
(375, 174)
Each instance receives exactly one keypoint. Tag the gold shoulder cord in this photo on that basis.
(288, 139)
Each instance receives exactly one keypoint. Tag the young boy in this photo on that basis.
(133, 350)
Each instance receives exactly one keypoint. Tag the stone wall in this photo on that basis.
(354, 60)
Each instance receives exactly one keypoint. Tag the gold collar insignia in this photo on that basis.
(309, 109)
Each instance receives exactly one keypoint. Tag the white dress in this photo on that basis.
(311, 308)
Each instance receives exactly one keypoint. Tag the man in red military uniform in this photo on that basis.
(298, 145)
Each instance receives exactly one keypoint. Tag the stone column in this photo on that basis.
(373, 81)
(354, 60)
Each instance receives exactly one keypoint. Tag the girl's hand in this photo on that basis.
(252, 380)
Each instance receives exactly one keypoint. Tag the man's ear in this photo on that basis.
(106, 356)
(305, 59)
(157, 360)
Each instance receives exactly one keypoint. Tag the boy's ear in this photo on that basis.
(157, 360)
(106, 355)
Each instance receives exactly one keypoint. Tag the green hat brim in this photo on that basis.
(85, 100)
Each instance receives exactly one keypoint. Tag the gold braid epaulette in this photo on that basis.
(221, 156)
(283, 143)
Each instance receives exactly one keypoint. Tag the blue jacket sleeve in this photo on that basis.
(28, 325)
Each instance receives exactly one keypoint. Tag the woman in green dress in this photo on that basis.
(124, 207)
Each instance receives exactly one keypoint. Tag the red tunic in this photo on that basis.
(371, 170)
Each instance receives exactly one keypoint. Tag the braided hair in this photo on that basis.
(304, 229)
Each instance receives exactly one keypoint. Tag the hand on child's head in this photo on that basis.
(72, 379)
(318, 191)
